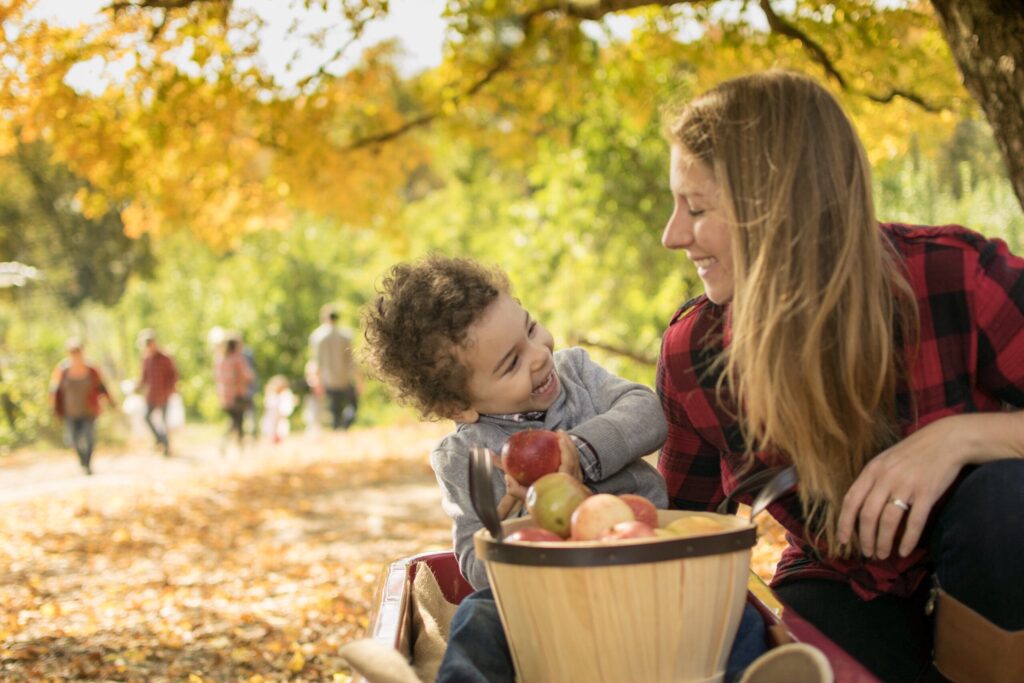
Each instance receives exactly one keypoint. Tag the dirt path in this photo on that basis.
(250, 567)
(245, 567)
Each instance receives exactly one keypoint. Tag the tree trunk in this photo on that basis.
(987, 40)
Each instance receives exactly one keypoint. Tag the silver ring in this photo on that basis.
(902, 505)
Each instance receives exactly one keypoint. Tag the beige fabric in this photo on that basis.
(378, 663)
(792, 663)
(432, 614)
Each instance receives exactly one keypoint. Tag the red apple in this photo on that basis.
(597, 514)
(552, 499)
(643, 509)
(532, 535)
(634, 529)
(529, 455)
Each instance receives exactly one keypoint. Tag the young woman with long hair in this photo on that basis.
(877, 359)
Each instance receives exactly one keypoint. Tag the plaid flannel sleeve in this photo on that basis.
(690, 464)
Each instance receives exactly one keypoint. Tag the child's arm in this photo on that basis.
(450, 460)
(629, 422)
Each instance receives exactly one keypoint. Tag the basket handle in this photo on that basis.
(481, 493)
(772, 484)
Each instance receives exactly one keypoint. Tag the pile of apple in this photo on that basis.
(563, 509)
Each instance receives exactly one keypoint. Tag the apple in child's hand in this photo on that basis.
(551, 500)
(598, 513)
(643, 509)
(622, 530)
(533, 535)
(529, 455)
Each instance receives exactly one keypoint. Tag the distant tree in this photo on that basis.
(43, 224)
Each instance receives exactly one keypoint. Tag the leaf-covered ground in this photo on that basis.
(245, 567)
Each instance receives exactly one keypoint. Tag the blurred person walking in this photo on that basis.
(159, 381)
(75, 390)
(233, 377)
(331, 350)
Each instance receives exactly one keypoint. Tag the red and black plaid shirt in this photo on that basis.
(970, 358)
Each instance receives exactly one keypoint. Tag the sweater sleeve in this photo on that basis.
(450, 460)
(629, 423)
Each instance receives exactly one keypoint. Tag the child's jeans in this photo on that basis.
(478, 652)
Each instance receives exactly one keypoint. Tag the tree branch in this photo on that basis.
(818, 54)
(576, 339)
(122, 5)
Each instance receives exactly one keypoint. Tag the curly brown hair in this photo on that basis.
(418, 321)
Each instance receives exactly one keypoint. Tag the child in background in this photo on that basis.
(278, 405)
(134, 408)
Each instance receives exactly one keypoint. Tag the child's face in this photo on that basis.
(508, 355)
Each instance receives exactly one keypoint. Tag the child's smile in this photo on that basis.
(508, 355)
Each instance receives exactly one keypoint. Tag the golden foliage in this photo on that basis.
(186, 131)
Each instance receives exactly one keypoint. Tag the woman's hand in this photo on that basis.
(907, 479)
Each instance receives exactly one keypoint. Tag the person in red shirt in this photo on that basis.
(884, 362)
(234, 377)
(75, 390)
(159, 381)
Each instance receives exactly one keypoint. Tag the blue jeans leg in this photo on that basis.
(81, 436)
(750, 643)
(978, 543)
(159, 434)
(478, 651)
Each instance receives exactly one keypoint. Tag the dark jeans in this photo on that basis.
(977, 550)
(159, 434)
(80, 434)
(343, 404)
(478, 651)
(237, 414)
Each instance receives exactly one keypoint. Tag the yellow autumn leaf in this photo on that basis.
(297, 663)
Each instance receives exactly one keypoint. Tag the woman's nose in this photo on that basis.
(678, 231)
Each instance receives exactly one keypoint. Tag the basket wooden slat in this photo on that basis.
(668, 620)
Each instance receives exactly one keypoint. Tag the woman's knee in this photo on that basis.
(978, 542)
(986, 501)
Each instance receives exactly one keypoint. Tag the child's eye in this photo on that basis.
(532, 329)
(695, 213)
(512, 365)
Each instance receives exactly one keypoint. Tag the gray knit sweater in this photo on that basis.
(621, 421)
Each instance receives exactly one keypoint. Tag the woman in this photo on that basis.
(233, 377)
(878, 359)
(76, 389)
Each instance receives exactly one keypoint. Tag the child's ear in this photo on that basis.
(459, 414)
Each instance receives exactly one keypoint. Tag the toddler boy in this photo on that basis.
(448, 336)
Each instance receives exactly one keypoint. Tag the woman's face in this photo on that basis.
(698, 226)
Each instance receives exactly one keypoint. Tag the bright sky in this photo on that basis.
(416, 23)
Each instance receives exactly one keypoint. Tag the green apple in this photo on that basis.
(551, 500)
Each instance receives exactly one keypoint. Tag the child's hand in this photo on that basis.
(514, 488)
(570, 456)
(509, 505)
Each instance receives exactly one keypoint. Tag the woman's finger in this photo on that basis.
(917, 518)
(893, 513)
(869, 517)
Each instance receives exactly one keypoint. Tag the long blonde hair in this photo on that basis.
(819, 297)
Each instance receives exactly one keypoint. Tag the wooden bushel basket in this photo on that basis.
(645, 610)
